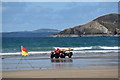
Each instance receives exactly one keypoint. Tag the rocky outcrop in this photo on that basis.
(107, 25)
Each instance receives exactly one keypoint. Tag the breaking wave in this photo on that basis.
(92, 49)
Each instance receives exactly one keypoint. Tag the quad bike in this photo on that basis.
(61, 54)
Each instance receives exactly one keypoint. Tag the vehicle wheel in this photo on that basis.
(52, 56)
(57, 55)
(62, 56)
(70, 54)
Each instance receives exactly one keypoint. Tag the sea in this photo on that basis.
(41, 47)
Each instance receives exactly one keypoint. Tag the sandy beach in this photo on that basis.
(97, 72)
(74, 73)
(75, 67)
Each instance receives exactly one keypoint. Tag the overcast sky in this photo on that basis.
(28, 16)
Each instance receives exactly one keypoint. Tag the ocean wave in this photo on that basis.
(89, 48)
(19, 53)
(96, 51)
(48, 52)
(36, 49)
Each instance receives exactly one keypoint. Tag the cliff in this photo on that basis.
(106, 25)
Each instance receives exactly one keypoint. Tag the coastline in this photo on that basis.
(89, 35)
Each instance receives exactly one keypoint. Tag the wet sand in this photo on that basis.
(74, 73)
(97, 57)
(83, 72)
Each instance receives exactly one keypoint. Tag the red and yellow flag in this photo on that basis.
(24, 51)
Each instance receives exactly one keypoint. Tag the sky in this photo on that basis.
(28, 16)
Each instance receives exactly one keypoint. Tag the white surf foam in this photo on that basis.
(115, 47)
(96, 51)
(19, 53)
(91, 47)
(48, 52)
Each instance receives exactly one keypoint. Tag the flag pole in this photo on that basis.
(26, 60)
(21, 57)
(21, 48)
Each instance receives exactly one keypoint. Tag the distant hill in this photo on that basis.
(46, 30)
(107, 24)
(35, 33)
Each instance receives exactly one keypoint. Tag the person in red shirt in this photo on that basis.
(57, 51)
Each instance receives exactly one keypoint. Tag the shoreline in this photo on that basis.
(89, 35)
(95, 57)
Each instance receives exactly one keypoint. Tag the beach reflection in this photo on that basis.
(62, 63)
(61, 60)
